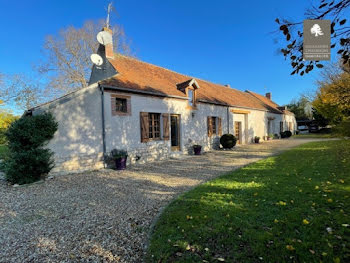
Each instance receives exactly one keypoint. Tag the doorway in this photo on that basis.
(238, 131)
(175, 132)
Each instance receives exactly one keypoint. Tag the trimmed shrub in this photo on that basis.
(28, 161)
(228, 141)
(288, 134)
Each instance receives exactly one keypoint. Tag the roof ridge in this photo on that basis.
(253, 93)
(173, 71)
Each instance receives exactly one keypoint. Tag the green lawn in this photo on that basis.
(316, 135)
(293, 207)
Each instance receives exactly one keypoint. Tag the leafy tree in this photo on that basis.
(335, 10)
(333, 96)
(6, 118)
(319, 119)
(28, 158)
(301, 108)
(67, 65)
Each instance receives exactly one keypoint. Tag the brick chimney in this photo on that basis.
(109, 46)
(268, 95)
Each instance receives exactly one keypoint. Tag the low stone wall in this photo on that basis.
(71, 164)
(150, 152)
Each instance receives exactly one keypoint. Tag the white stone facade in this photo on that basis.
(78, 142)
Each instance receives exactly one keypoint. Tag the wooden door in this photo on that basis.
(238, 131)
(175, 132)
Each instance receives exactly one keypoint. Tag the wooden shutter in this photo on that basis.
(219, 126)
(144, 126)
(113, 106)
(210, 126)
(165, 126)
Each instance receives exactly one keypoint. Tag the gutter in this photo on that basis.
(103, 124)
(228, 119)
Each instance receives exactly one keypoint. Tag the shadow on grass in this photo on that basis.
(275, 210)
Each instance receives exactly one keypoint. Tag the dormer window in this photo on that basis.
(189, 88)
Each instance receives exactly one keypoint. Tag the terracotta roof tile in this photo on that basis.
(141, 76)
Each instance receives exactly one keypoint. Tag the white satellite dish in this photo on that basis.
(104, 38)
(96, 59)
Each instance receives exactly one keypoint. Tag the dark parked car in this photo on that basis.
(313, 128)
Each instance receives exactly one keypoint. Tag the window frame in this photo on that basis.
(124, 105)
(115, 112)
(154, 126)
(190, 100)
(214, 125)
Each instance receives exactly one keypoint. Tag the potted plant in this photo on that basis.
(197, 149)
(270, 136)
(256, 139)
(120, 157)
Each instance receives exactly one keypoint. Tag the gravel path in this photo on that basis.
(105, 216)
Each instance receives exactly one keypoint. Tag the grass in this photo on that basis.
(289, 208)
(3, 151)
(316, 135)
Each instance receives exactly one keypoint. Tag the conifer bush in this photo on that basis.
(28, 160)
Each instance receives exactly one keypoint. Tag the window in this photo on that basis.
(154, 126)
(213, 121)
(121, 105)
(214, 126)
(190, 97)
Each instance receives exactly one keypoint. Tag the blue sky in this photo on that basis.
(227, 42)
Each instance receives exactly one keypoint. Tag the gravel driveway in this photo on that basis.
(105, 216)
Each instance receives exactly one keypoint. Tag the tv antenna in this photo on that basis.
(109, 9)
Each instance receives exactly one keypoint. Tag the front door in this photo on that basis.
(238, 131)
(175, 132)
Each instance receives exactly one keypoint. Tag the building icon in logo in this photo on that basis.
(316, 30)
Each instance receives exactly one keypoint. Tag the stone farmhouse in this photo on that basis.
(153, 113)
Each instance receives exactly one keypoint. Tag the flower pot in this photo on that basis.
(120, 163)
(197, 150)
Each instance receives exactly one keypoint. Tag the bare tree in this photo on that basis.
(20, 90)
(335, 10)
(67, 65)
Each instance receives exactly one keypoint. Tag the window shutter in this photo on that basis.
(210, 126)
(144, 126)
(113, 106)
(219, 126)
(165, 126)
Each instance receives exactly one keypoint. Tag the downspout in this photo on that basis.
(103, 124)
(228, 120)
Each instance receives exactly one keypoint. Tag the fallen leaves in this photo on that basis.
(290, 247)
(306, 222)
(281, 203)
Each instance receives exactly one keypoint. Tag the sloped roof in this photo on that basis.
(141, 76)
(271, 105)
